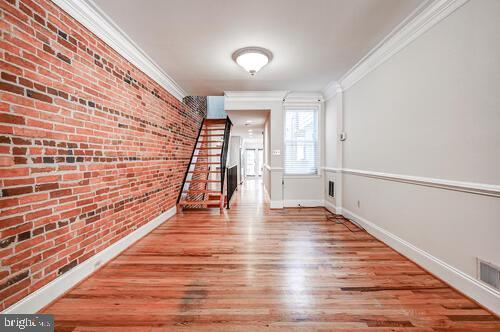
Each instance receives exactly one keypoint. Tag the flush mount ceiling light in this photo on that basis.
(252, 59)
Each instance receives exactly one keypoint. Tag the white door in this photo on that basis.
(260, 161)
(250, 161)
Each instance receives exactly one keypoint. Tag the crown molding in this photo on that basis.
(304, 97)
(331, 90)
(97, 21)
(257, 96)
(427, 15)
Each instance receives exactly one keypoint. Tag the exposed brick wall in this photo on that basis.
(90, 147)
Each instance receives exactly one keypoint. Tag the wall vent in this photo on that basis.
(331, 188)
(489, 273)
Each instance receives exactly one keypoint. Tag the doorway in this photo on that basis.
(254, 159)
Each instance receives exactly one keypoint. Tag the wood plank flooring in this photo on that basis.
(255, 269)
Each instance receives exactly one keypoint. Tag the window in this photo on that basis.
(301, 142)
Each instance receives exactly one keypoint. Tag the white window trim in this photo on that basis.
(301, 106)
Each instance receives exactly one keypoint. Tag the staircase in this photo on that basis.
(203, 185)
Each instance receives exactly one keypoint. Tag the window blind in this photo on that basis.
(301, 142)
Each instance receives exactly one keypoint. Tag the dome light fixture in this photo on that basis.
(252, 59)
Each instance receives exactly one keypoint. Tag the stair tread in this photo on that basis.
(207, 155)
(205, 163)
(210, 192)
(215, 121)
(214, 143)
(201, 202)
(203, 171)
(200, 180)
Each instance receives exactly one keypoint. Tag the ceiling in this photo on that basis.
(313, 41)
(245, 120)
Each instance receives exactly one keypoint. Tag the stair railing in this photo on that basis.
(190, 162)
(232, 183)
(223, 156)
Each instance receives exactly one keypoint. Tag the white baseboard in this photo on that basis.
(332, 208)
(48, 293)
(470, 286)
(303, 202)
(276, 204)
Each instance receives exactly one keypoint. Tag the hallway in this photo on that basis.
(254, 269)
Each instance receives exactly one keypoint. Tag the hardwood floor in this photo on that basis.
(255, 269)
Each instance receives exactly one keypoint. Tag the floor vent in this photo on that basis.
(489, 274)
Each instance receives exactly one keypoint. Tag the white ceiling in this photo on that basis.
(245, 120)
(313, 41)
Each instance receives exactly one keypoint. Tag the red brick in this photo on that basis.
(16, 191)
(9, 118)
(11, 88)
(38, 214)
(6, 161)
(39, 96)
(71, 126)
(47, 186)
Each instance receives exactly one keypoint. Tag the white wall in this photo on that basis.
(215, 107)
(234, 155)
(432, 110)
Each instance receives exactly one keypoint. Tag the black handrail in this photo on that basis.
(190, 162)
(232, 182)
(223, 156)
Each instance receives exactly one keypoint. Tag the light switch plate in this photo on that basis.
(276, 152)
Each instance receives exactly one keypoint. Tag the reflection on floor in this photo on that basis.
(253, 269)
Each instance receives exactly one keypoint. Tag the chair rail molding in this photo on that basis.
(468, 187)
(331, 169)
(273, 169)
(427, 15)
(97, 21)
